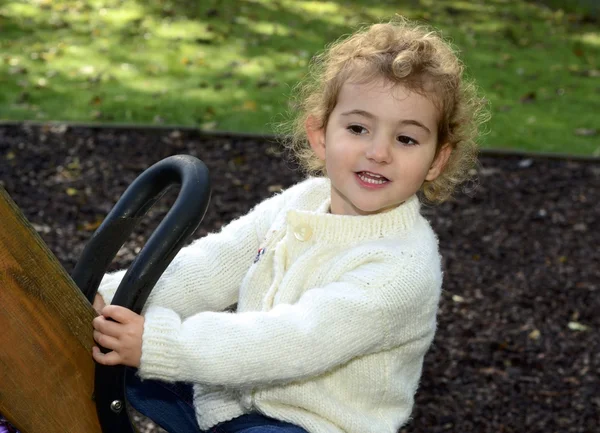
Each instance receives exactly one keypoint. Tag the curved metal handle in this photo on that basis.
(181, 221)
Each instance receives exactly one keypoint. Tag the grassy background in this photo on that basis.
(230, 64)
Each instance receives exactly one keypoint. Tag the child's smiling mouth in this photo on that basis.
(371, 180)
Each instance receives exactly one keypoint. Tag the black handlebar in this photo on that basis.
(181, 221)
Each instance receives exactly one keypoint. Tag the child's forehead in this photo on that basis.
(377, 91)
(385, 99)
(356, 92)
(378, 83)
(380, 89)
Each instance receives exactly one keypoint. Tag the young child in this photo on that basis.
(337, 279)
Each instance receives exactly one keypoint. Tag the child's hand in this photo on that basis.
(98, 303)
(123, 337)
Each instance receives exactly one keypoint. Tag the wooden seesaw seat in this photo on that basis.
(49, 382)
(46, 366)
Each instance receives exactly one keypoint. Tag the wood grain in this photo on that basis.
(46, 367)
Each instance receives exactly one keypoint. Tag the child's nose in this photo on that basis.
(379, 150)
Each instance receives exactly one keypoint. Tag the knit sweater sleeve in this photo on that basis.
(366, 311)
(206, 275)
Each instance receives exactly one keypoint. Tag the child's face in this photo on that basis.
(378, 147)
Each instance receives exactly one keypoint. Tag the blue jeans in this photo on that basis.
(170, 405)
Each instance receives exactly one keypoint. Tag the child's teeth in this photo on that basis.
(370, 180)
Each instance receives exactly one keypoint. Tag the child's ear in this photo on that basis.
(439, 163)
(316, 136)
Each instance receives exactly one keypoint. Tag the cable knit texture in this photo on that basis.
(334, 316)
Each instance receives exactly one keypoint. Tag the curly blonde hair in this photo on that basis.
(401, 52)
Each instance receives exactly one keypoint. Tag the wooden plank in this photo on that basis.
(46, 367)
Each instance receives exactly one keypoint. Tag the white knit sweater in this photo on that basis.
(334, 316)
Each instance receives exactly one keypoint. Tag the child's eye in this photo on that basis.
(357, 129)
(405, 139)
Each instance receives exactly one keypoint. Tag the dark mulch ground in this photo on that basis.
(517, 347)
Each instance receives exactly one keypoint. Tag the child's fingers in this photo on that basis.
(106, 341)
(118, 313)
(107, 327)
(110, 358)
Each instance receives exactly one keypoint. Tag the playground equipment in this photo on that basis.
(49, 382)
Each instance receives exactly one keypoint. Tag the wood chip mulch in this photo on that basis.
(518, 343)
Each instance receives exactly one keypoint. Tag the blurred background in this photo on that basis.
(230, 65)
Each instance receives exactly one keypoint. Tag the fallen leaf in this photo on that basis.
(45, 229)
(576, 326)
(572, 380)
(89, 227)
(208, 126)
(525, 163)
(249, 106)
(96, 100)
(489, 371)
(74, 165)
(535, 334)
(59, 129)
(586, 132)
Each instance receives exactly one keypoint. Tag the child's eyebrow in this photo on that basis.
(360, 113)
(372, 116)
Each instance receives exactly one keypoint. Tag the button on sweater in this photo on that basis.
(334, 314)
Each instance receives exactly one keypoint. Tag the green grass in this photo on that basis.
(230, 64)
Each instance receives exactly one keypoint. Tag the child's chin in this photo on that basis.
(369, 210)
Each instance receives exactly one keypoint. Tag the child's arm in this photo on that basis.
(206, 275)
(367, 311)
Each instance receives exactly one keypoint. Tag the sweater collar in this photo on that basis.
(339, 228)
